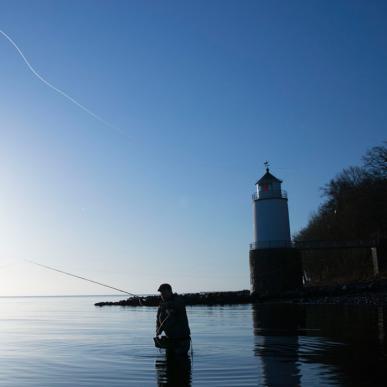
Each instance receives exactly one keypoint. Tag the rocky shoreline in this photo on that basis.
(204, 298)
(372, 292)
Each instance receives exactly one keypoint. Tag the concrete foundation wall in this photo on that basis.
(275, 271)
(280, 270)
(382, 256)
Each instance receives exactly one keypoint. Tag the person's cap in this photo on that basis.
(164, 287)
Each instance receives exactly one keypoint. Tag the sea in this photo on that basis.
(67, 341)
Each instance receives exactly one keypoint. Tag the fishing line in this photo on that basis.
(59, 91)
(83, 278)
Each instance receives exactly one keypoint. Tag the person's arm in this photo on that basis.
(170, 319)
(159, 329)
(173, 311)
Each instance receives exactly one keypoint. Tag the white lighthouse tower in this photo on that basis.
(275, 266)
(270, 213)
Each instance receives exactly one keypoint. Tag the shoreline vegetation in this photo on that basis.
(371, 292)
(354, 203)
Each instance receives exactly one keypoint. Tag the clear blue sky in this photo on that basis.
(206, 91)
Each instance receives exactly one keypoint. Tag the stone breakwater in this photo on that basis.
(372, 292)
(207, 298)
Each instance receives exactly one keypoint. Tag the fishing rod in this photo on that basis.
(83, 278)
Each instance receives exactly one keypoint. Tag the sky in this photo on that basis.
(196, 96)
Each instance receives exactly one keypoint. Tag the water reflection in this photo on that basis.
(174, 371)
(330, 345)
(277, 345)
(44, 341)
(360, 358)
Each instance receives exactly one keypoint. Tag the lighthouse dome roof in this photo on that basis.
(268, 178)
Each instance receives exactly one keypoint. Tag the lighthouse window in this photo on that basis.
(266, 187)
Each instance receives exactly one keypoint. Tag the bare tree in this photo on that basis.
(355, 203)
(375, 160)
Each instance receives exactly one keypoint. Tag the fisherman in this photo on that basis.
(172, 320)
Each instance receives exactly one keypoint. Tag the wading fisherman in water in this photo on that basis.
(172, 320)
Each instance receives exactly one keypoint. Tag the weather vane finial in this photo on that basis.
(266, 163)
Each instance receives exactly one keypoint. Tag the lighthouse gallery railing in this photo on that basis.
(270, 195)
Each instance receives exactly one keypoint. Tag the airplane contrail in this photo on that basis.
(59, 91)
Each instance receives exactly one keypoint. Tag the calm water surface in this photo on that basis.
(69, 342)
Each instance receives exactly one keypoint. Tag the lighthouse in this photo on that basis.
(270, 213)
(275, 266)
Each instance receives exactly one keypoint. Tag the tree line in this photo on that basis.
(355, 203)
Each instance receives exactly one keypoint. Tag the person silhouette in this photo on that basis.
(172, 320)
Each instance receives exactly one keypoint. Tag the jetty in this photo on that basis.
(371, 292)
(203, 298)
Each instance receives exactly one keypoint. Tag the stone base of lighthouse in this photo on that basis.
(275, 271)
